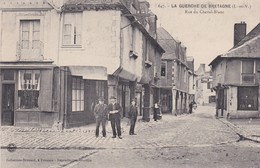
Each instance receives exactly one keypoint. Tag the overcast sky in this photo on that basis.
(205, 35)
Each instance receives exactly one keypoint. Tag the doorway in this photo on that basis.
(8, 104)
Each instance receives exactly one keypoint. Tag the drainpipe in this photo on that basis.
(61, 119)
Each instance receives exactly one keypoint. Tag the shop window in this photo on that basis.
(77, 94)
(72, 28)
(28, 89)
(247, 98)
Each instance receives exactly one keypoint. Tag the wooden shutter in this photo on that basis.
(45, 96)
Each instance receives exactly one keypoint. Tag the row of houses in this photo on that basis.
(57, 57)
(177, 76)
(236, 75)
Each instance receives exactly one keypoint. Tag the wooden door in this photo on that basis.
(8, 104)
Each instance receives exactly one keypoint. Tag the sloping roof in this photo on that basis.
(248, 47)
(253, 33)
(168, 43)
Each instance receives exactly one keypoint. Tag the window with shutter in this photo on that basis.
(248, 75)
(30, 47)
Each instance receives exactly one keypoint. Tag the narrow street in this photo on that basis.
(196, 140)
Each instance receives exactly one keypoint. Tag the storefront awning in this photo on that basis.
(124, 74)
(89, 72)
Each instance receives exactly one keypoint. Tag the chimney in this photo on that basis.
(144, 5)
(153, 25)
(239, 32)
(203, 68)
(144, 9)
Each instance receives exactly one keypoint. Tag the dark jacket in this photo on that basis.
(156, 112)
(100, 111)
(133, 112)
(112, 107)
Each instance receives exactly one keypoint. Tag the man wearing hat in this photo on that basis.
(114, 110)
(132, 116)
(100, 112)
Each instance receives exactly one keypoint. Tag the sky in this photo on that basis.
(205, 34)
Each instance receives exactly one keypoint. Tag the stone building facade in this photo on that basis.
(236, 75)
(58, 57)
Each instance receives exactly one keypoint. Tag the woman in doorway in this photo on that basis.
(156, 110)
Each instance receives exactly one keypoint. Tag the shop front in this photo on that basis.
(27, 95)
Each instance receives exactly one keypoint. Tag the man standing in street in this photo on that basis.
(133, 116)
(100, 112)
(114, 110)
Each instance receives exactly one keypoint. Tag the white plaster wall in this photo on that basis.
(133, 66)
(232, 100)
(206, 93)
(52, 36)
(100, 42)
(10, 32)
(10, 36)
(218, 73)
(192, 81)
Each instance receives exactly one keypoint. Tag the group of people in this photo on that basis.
(112, 112)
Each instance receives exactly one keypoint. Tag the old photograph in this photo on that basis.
(130, 83)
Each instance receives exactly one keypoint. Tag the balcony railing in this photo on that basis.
(29, 51)
(248, 78)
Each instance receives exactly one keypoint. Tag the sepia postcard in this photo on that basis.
(129, 83)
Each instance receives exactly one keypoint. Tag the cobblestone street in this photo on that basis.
(193, 140)
(196, 129)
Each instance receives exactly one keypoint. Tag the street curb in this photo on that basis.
(238, 131)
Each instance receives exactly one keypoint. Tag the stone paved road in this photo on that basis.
(199, 129)
(187, 141)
